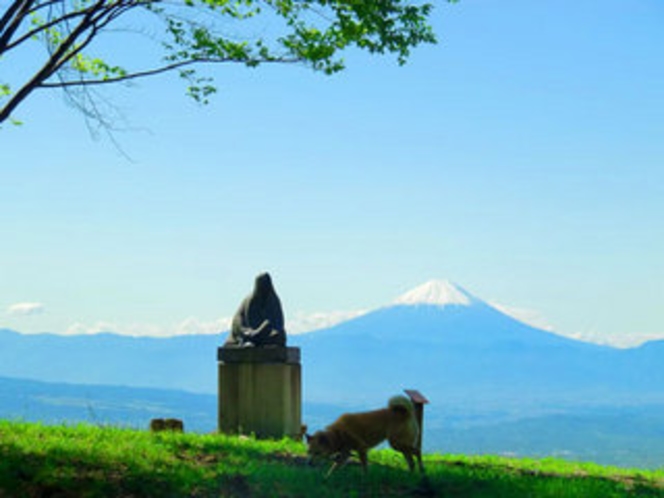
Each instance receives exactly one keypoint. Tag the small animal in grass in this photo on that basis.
(166, 424)
(359, 432)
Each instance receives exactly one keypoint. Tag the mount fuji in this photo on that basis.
(458, 349)
(437, 293)
(440, 312)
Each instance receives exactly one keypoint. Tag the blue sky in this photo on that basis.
(521, 157)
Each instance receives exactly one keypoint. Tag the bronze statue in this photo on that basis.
(260, 320)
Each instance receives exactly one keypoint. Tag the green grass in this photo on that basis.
(90, 461)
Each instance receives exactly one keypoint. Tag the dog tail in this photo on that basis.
(401, 405)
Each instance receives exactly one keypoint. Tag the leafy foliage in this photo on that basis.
(192, 32)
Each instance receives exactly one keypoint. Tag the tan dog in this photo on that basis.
(360, 432)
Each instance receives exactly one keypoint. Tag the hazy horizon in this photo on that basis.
(521, 157)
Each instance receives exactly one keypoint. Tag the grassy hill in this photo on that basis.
(90, 461)
(627, 436)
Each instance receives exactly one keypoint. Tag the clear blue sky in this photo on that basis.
(522, 157)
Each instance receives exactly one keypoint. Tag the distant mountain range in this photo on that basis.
(51, 402)
(183, 362)
(458, 349)
(486, 375)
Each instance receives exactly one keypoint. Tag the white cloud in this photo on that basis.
(87, 329)
(301, 322)
(527, 316)
(188, 326)
(616, 340)
(192, 326)
(297, 323)
(25, 309)
(534, 319)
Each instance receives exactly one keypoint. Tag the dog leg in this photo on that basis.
(363, 459)
(339, 461)
(332, 469)
(418, 454)
(409, 460)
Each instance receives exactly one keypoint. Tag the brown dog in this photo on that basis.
(360, 432)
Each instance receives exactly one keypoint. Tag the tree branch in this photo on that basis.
(316, 32)
(9, 13)
(45, 27)
(12, 20)
(43, 5)
(164, 69)
(55, 61)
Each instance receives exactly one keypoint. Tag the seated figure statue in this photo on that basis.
(260, 319)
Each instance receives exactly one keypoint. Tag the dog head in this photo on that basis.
(319, 446)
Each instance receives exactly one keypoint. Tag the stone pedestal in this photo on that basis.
(260, 391)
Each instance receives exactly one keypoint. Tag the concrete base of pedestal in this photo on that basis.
(260, 392)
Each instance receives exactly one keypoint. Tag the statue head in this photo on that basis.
(263, 287)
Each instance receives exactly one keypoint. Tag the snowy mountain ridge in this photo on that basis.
(436, 292)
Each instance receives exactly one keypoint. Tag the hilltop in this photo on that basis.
(95, 461)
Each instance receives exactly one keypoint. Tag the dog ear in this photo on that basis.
(308, 437)
(323, 440)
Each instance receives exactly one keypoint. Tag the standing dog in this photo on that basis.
(360, 432)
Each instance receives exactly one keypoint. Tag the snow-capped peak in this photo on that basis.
(436, 292)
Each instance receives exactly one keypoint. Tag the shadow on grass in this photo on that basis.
(478, 481)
